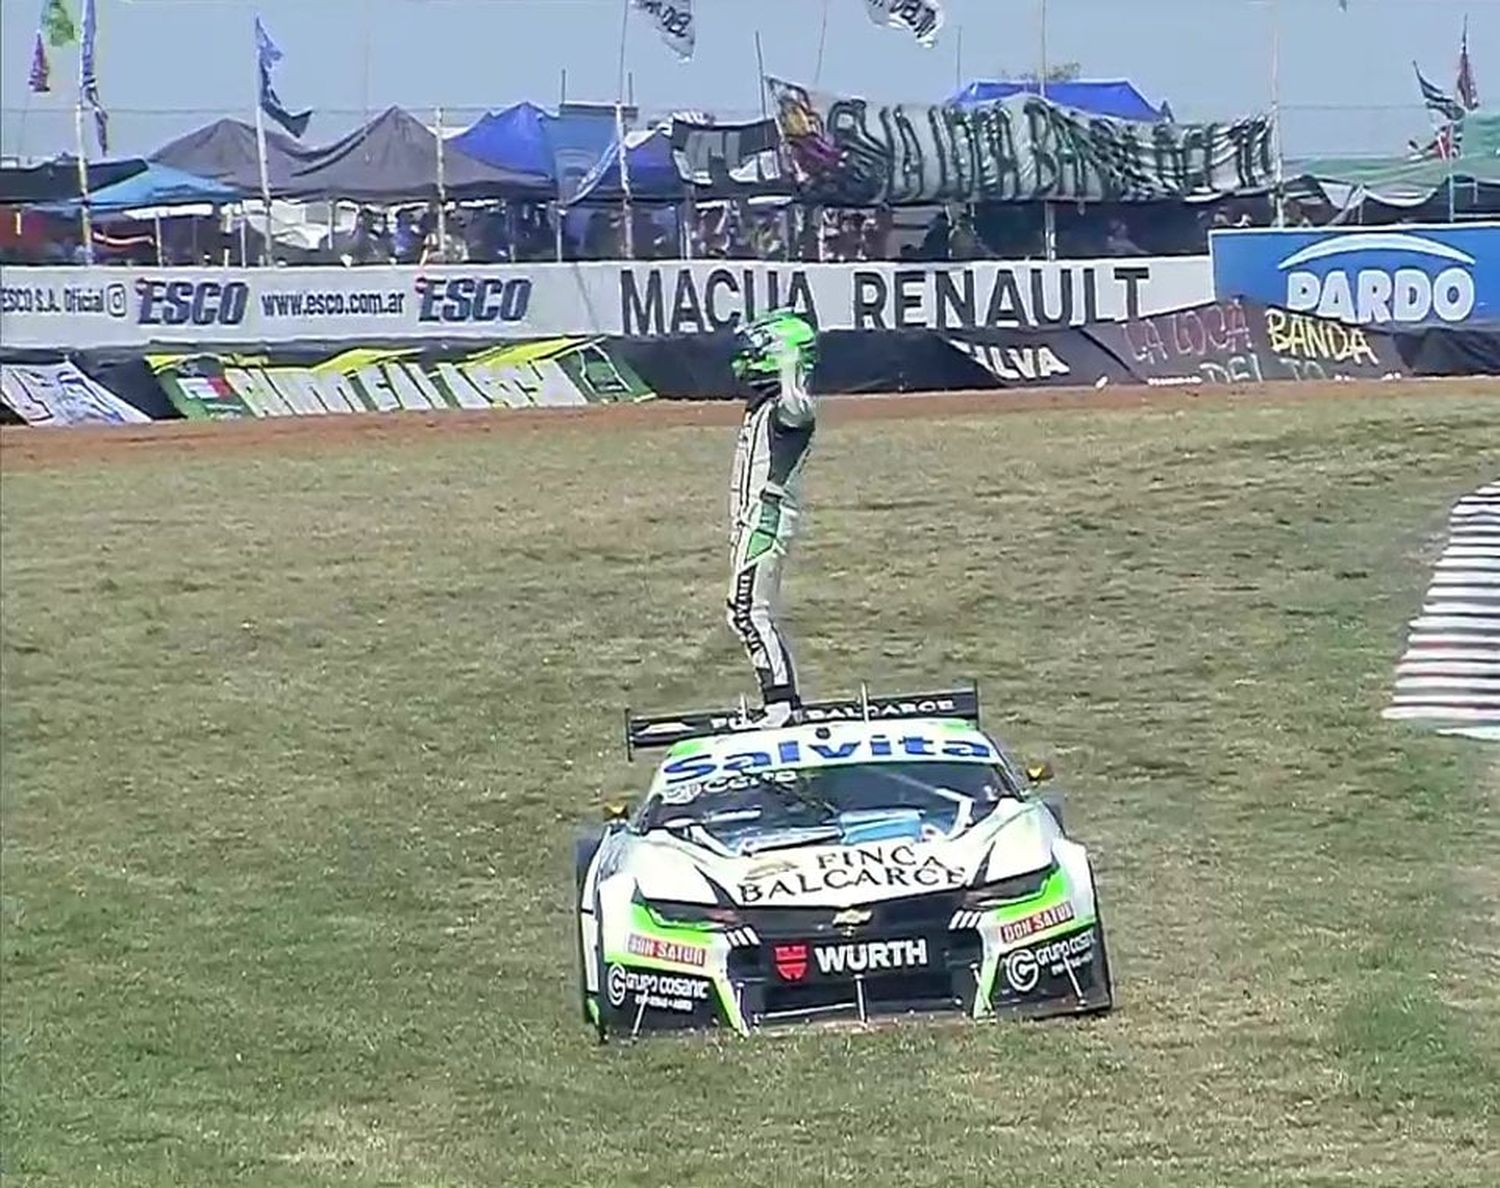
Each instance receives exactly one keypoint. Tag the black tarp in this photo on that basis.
(58, 180)
(1442, 350)
(394, 158)
(225, 151)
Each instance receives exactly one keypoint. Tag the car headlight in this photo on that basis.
(1010, 890)
(672, 914)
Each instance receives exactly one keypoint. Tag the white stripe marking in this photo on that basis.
(1409, 668)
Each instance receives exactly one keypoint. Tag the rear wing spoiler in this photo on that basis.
(645, 732)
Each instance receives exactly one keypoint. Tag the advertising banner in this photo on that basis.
(1058, 359)
(83, 308)
(60, 394)
(549, 372)
(1439, 274)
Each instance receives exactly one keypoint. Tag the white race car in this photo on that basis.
(885, 857)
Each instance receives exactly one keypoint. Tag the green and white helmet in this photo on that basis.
(761, 345)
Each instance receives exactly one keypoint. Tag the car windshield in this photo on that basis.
(849, 804)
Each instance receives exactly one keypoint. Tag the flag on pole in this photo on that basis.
(41, 71)
(88, 79)
(1438, 101)
(57, 24)
(1467, 88)
(921, 18)
(674, 21)
(267, 54)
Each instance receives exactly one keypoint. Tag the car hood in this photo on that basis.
(1016, 838)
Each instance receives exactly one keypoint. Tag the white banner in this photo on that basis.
(674, 21)
(60, 394)
(921, 18)
(70, 308)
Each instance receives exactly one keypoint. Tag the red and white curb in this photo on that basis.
(1449, 677)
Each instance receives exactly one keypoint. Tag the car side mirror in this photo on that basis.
(1039, 772)
(616, 811)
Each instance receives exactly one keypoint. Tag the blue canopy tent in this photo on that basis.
(153, 187)
(530, 139)
(580, 135)
(516, 138)
(649, 163)
(1118, 99)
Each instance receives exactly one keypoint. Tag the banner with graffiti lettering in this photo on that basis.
(549, 373)
(853, 152)
(1241, 342)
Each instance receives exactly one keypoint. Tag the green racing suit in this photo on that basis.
(774, 440)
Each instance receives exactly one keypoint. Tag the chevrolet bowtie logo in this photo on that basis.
(851, 916)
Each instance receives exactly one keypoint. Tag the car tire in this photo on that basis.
(585, 846)
(1105, 974)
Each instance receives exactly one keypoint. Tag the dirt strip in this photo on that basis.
(26, 447)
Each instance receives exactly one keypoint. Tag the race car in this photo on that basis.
(885, 857)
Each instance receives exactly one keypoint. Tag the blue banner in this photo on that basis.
(1434, 274)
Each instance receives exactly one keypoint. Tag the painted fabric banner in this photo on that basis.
(722, 156)
(1235, 342)
(852, 152)
(548, 373)
(60, 394)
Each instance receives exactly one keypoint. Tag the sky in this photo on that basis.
(168, 66)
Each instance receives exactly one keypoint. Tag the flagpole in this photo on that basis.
(442, 217)
(620, 135)
(1049, 212)
(265, 176)
(85, 217)
(1452, 152)
(822, 41)
(1279, 176)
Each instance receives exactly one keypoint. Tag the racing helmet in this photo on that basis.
(760, 346)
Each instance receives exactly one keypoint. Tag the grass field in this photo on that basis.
(295, 745)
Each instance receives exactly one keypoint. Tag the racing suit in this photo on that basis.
(763, 508)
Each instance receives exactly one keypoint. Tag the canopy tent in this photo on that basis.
(155, 186)
(528, 138)
(1118, 98)
(226, 151)
(1384, 188)
(515, 138)
(57, 181)
(649, 165)
(394, 158)
(580, 134)
(1407, 181)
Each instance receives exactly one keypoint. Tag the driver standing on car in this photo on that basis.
(774, 359)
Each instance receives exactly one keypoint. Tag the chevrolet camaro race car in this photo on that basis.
(884, 857)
